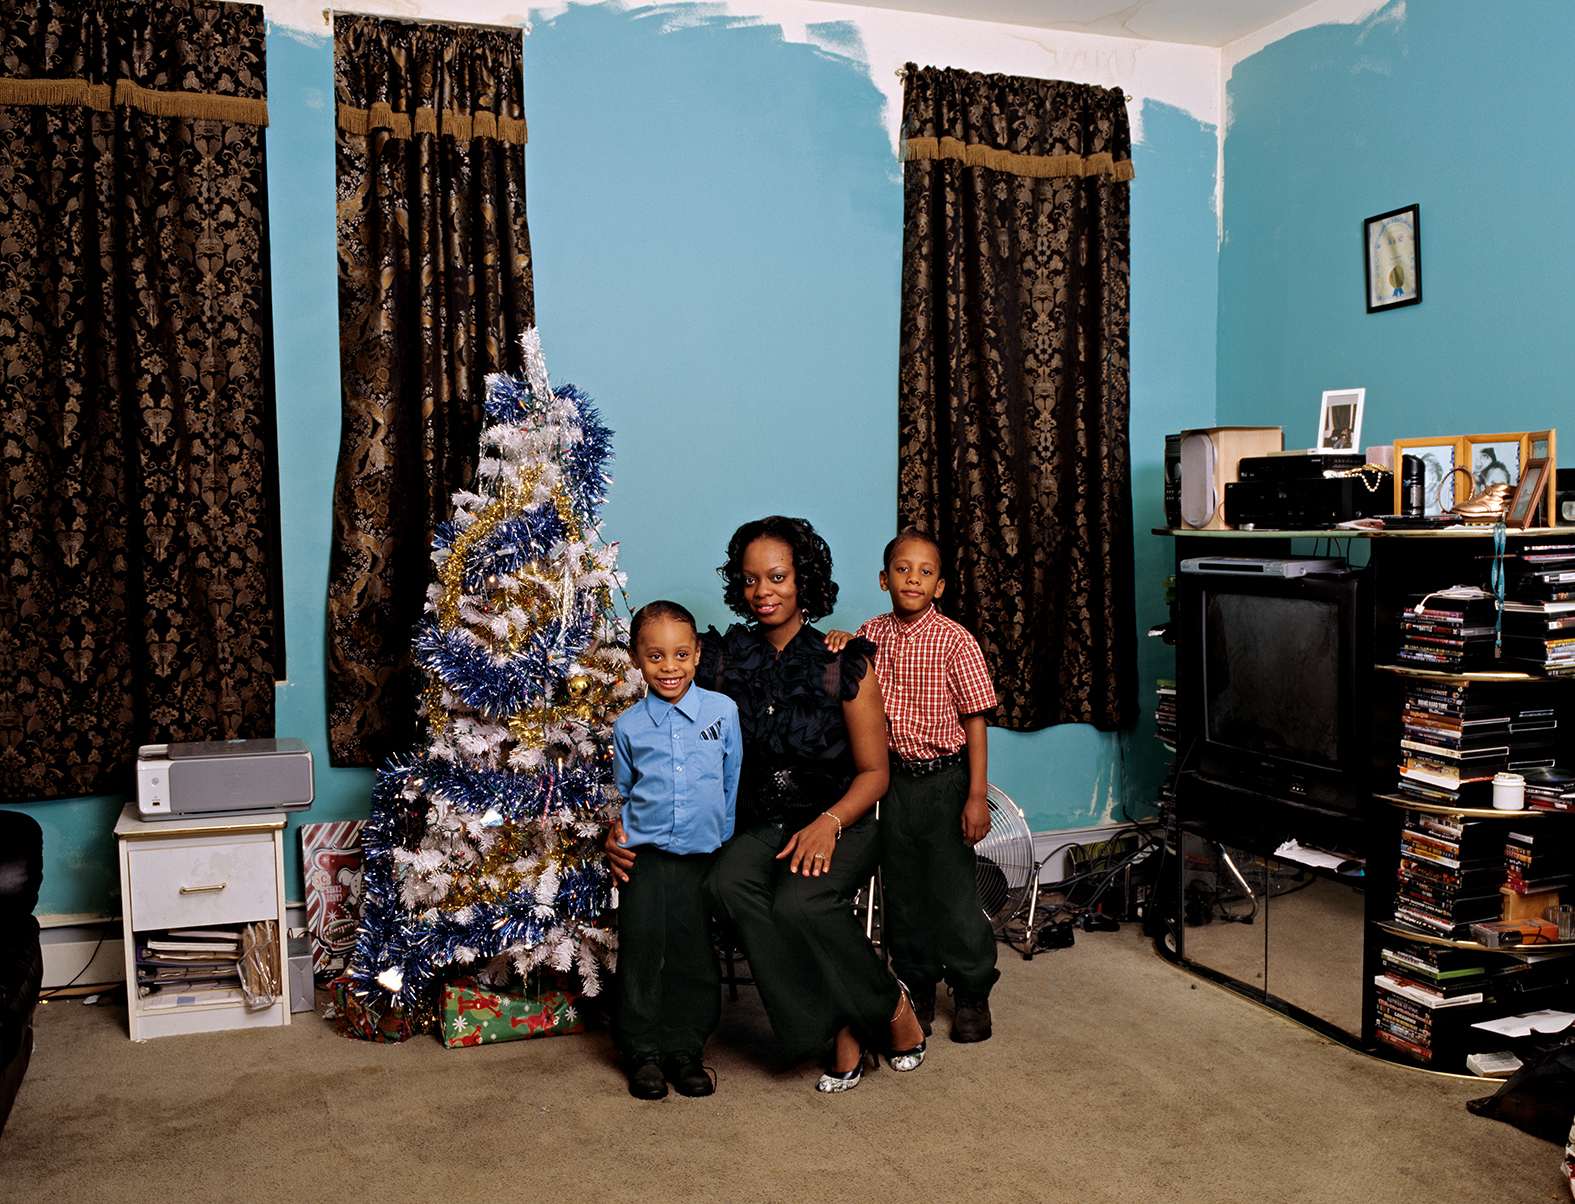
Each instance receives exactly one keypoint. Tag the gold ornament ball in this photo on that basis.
(579, 686)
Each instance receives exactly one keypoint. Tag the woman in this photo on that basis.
(815, 764)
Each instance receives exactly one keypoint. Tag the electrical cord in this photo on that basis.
(92, 957)
(1106, 876)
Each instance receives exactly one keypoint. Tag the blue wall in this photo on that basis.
(716, 223)
(1440, 102)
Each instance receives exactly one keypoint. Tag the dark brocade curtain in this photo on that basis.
(434, 291)
(139, 597)
(1013, 394)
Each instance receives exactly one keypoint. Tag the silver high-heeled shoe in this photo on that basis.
(833, 1081)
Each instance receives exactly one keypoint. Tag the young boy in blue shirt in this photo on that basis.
(677, 756)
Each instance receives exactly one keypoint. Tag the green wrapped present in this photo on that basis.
(474, 1014)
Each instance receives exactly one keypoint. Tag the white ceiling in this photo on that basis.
(1191, 22)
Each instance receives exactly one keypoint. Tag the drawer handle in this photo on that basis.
(202, 890)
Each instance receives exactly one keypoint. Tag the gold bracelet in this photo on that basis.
(838, 823)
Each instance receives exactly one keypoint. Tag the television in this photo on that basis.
(1274, 679)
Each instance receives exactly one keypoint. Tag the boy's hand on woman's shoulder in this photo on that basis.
(836, 640)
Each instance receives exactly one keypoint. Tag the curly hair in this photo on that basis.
(817, 592)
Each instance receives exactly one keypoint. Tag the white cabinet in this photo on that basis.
(196, 873)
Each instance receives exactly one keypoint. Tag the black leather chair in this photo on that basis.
(21, 959)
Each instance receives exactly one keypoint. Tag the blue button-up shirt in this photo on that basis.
(677, 769)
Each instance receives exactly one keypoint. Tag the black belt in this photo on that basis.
(918, 769)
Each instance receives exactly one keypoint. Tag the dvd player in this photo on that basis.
(1253, 566)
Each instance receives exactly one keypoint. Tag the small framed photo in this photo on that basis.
(1438, 461)
(1494, 459)
(1530, 491)
(1340, 423)
(1392, 254)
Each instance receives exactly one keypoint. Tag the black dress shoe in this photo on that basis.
(685, 1072)
(972, 1021)
(647, 1082)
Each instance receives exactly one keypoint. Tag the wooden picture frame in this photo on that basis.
(1487, 458)
(1493, 459)
(1340, 420)
(1439, 457)
(1544, 445)
(1529, 493)
(1392, 258)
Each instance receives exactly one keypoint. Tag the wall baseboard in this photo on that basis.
(77, 957)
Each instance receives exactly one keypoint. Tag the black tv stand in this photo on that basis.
(1305, 940)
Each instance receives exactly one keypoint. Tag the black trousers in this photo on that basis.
(814, 967)
(669, 985)
(934, 926)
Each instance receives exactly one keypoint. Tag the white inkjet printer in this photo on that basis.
(223, 777)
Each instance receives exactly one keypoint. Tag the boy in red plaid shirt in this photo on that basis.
(937, 692)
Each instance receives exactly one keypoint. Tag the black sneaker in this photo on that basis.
(647, 1082)
(923, 1000)
(685, 1072)
(972, 1021)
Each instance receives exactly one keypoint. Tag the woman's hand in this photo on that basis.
(836, 640)
(812, 847)
(619, 858)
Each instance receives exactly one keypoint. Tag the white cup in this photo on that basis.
(1509, 791)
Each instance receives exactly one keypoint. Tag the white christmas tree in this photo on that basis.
(484, 849)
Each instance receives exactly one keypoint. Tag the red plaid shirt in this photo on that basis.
(931, 674)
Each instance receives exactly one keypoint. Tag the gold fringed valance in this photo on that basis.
(463, 126)
(1037, 167)
(196, 106)
(56, 93)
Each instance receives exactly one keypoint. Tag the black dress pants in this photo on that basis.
(814, 967)
(934, 926)
(669, 984)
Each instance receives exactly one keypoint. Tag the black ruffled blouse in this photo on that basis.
(797, 757)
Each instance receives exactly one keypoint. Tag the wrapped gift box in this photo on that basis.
(369, 1020)
(331, 866)
(474, 1014)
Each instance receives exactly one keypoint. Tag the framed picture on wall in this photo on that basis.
(1392, 255)
(1438, 461)
(1340, 422)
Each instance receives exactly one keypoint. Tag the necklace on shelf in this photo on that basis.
(1371, 475)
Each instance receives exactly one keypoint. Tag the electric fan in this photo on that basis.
(1008, 873)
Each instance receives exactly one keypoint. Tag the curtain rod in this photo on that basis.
(330, 13)
(901, 72)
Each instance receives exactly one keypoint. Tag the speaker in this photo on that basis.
(1209, 460)
(1173, 481)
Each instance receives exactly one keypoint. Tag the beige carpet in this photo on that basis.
(1112, 1077)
